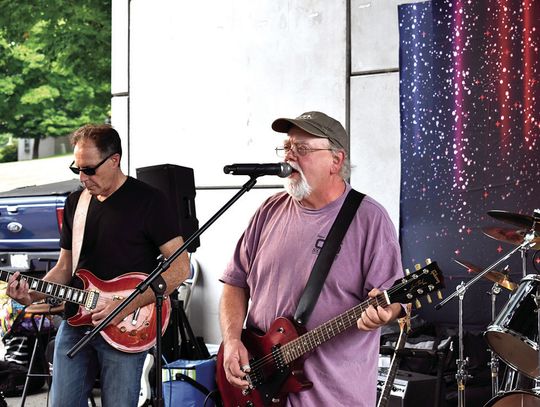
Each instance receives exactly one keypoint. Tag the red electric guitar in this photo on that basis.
(136, 333)
(275, 368)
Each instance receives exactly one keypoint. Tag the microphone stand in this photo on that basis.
(460, 292)
(156, 282)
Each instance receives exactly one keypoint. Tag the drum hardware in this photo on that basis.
(512, 335)
(461, 374)
(498, 277)
(461, 362)
(515, 380)
(536, 388)
(532, 233)
(494, 360)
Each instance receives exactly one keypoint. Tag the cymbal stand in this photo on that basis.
(460, 292)
(523, 253)
(494, 361)
(536, 387)
(461, 373)
(529, 237)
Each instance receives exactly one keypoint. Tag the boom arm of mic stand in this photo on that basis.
(526, 242)
(164, 265)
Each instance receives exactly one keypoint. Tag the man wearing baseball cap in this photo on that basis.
(274, 258)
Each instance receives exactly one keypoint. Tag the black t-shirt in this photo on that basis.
(123, 233)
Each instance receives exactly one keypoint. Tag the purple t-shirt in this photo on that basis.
(274, 258)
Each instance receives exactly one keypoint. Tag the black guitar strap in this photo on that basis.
(326, 256)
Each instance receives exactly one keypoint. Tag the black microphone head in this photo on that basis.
(286, 170)
(256, 170)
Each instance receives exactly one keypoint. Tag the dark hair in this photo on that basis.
(105, 138)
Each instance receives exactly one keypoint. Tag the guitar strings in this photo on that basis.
(269, 358)
(30, 280)
(102, 297)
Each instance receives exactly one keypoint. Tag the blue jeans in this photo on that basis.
(73, 379)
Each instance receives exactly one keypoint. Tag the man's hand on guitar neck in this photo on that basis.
(236, 363)
(17, 288)
(375, 317)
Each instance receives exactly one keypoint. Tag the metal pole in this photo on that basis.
(461, 374)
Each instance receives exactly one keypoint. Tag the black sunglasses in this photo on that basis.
(88, 170)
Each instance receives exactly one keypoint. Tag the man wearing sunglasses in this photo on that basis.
(274, 258)
(128, 225)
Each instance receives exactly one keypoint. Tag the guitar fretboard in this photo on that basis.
(312, 339)
(87, 299)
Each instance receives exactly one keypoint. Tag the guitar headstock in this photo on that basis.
(423, 281)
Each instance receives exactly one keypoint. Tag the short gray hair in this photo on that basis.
(345, 171)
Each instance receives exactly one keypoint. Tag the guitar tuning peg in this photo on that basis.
(417, 304)
(428, 297)
(428, 261)
(417, 266)
(439, 294)
(407, 272)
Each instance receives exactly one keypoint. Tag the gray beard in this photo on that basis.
(298, 189)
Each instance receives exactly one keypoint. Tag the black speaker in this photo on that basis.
(178, 183)
(410, 389)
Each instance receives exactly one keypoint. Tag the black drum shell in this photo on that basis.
(513, 336)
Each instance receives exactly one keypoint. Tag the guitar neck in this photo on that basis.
(316, 337)
(87, 299)
(392, 370)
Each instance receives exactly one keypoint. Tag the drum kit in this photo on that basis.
(513, 334)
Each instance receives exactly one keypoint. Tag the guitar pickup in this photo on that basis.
(91, 300)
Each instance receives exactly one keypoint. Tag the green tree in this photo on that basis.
(55, 59)
(8, 153)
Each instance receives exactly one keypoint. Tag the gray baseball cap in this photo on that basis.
(316, 123)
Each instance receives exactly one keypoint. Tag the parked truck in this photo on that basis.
(30, 225)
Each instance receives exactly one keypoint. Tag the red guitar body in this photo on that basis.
(275, 381)
(137, 332)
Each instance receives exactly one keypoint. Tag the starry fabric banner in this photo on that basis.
(470, 124)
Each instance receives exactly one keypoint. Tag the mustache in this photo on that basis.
(295, 166)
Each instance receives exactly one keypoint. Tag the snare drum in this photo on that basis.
(514, 333)
(519, 398)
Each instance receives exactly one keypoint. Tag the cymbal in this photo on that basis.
(516, 219)
(493, 275)
(511, 236)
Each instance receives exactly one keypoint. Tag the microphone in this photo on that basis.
(282, 170)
